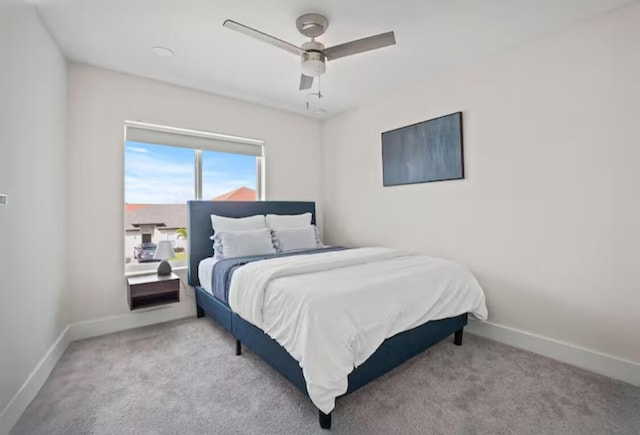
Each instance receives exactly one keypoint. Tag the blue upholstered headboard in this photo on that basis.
(199, 231)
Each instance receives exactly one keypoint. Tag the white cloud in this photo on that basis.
(156, 189)
(137, 149)
(152, 179)
(148, 163)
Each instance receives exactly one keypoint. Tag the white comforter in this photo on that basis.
(331, 311)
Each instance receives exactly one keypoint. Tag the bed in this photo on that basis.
(393, 351)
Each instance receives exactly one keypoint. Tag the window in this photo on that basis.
(164, 168)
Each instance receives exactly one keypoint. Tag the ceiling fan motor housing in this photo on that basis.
(313, 59)
(312, 25)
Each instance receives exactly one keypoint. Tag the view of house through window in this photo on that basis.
(160, 179)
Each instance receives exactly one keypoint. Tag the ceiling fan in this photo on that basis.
(313, 54)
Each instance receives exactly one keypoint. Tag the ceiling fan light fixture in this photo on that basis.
(313, 59)
(313, 67)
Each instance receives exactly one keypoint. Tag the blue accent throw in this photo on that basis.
(223, 270)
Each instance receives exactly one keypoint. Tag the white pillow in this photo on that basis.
(288, 220)
(222, 223)
(293, 239)
(230, 244)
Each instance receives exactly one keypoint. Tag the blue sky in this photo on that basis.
(156, 174)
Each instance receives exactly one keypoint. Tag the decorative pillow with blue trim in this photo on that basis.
(231, 244)
(296, 239)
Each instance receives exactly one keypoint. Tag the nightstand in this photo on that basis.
(148, 290)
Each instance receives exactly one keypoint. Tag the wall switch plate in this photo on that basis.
(3, 199)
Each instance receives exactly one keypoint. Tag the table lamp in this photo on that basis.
(164, 252)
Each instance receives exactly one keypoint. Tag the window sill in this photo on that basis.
(152, 271)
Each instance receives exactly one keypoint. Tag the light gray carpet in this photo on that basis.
(183, 378)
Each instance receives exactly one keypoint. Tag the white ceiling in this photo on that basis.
(433, 37)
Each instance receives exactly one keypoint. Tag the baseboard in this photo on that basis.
(12, 412)
(607, 365)
(616, 368)
(78, 331)
(134, 319)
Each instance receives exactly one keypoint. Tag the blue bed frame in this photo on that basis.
(392, 352)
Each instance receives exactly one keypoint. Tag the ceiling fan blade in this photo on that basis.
(360, 45)
(305, 82)
(233, 25)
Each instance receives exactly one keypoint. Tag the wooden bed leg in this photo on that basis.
(457, 339)
(199, 312)
(324, 420)
(238, 347)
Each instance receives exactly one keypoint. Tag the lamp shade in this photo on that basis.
(164, 251)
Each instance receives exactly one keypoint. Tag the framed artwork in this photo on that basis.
(423, 152)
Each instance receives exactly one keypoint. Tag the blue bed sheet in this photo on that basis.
(223, 270)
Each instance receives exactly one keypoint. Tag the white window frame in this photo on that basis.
(198, 141)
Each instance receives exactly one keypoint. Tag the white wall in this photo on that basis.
(548, 216)
(33, 92)
(99, 103)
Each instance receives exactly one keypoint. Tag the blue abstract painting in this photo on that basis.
(423, 152)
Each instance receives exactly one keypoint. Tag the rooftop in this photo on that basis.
(173, 216)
